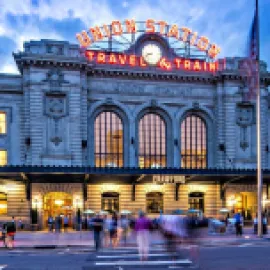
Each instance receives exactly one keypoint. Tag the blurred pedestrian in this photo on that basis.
(142, 227)
(65, 223)
(11, 231)
(97, 223)
(238, 224)
(124, 223)
(113, 226)
(50, 223)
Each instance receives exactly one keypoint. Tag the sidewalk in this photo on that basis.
(45, 239)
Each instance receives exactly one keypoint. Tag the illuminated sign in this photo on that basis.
(120, 59)
(117, 28)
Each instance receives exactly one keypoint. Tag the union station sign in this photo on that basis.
(151, 53)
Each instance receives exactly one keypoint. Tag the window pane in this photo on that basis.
(3, 203)
(154, 202)
(3, 123)
(108, 140)
(152, 141)
(3, 157)
(193, 143)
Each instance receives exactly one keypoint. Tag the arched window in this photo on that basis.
(108, 140)
(154, 202)
(193, 143)
(3, 203)
(110, 201)
(152, 141)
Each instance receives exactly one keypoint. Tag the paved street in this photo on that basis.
(243, 256)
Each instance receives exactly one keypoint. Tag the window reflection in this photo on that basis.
(108, 140)
(3, 123)
(3, 157)
(3, 203)
(154, 202)
(152, 141)
(193, 143)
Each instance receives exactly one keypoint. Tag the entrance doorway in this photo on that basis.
(110, 201)
(246, 204)
(57, 204)
(196, 201)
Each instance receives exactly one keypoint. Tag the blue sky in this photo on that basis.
(225, 22)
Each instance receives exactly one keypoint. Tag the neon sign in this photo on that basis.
(120, 59)
(117, 28)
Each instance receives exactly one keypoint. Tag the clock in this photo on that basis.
(151, 53)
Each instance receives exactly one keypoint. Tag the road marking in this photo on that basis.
(183, 262)
(245, 245)
(132, 256)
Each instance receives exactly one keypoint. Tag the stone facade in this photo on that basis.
(51, 107)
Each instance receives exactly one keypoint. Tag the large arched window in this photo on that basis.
(193, 142)
(152, 141)
(108, 140)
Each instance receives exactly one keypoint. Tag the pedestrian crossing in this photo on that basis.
(128, 258)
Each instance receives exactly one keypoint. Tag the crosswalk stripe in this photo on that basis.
(132, 256)
(182, 262)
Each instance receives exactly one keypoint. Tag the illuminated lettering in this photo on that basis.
(117, 28)
(177, 62)
(163, 63)
(162, 27)
(101, 57)
(84, 39)
(89, 55)
(174, 32)
(132, 60)
(203, 43)
(186, 32)
(213, 51)
(107, 31)
(142, 62)
(112, 59)
(122, 59)
(213, 66)
(150, 26)
(96, 32)
(197, 66)
(187, 64)
(131, 26)
(193, 39)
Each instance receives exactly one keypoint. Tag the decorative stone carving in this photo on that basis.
(55, 78)
(196, 105)
(244, 118)
(153, 103)
(56, 108)
(56, 105)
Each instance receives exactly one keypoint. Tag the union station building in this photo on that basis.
(110, 133)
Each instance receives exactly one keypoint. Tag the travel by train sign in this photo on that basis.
(152, 54)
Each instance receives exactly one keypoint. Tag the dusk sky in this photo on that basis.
(226, 23)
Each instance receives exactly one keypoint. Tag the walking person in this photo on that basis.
(142, 227)
(50, 223)
(113, 230)
(97, 223)
(238, 224)
(66, 223)
(124, 223)
(10, 234)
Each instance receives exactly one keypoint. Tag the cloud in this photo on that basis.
(224, 24)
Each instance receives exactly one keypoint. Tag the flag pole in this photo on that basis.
(258, 116)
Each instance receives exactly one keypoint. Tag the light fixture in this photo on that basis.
(59, 202)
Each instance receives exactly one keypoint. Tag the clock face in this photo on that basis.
(151, 53)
